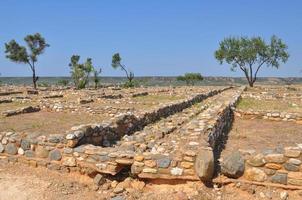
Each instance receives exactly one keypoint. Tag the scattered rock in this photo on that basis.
(99, 179)
(283, 195)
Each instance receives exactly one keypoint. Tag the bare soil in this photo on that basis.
(25, 183)
(262, 134)
(44, 122)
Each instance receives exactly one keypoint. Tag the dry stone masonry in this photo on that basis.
(178, 140)
(280, 165)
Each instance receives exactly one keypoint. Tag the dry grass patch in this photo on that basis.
(270, 105)
(46, 122)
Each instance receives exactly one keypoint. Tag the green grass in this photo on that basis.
(158, 98)
(268, 105)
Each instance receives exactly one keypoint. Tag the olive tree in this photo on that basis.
(250, 54)
(116, 63)
(36, 45)
(80, 71)
(96, 78)
(190, 78)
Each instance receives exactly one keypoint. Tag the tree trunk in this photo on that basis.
(251, 83)
(34, 79)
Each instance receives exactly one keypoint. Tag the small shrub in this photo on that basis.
(63, 82)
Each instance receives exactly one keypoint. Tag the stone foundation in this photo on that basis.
(192, 157)
(271, 115)
(279, 165)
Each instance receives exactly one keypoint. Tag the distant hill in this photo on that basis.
(160, 80)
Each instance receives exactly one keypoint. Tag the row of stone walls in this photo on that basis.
(107, 134)
(194, 160)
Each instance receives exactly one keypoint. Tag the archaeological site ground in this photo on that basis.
(202, 142)
(150, 100)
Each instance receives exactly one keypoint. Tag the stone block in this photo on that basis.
(204, 164)
(274, 158)
(255, 174)
(257, 160)
(233, 165)
(279, 178)
(292, 152)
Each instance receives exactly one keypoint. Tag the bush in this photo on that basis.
(63, 82)
(43, 84)
(190, 78)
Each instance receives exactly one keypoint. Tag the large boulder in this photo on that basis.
(204, 164)
(233, 165)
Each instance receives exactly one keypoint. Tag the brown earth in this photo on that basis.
(260, 134)
(44, 122)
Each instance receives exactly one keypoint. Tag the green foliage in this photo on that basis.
(96, 78)
(36, 45)
(116, 63)
(250, 54)
(63, 82)
(190, 78)
(43, 84)
(131, 84)
(80, 72)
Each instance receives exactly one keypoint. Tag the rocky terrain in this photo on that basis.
(150, 143)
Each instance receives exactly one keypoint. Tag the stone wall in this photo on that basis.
(193, 159)
(106, 134)
(279, 165)
(271, 115)
(23, 110)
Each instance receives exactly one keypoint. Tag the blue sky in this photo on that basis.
(154, 37)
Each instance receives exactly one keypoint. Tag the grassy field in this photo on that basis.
(270, 105)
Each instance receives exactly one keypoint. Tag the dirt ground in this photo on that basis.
(20, 182)
(44, 122)
(260, 134)
(25, 183)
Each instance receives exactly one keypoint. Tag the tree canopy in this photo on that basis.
(116, 63)
(80, 71)
(190, 78)
(36, 45)
(250, 54)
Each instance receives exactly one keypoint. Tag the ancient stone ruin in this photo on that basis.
(179, 139)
